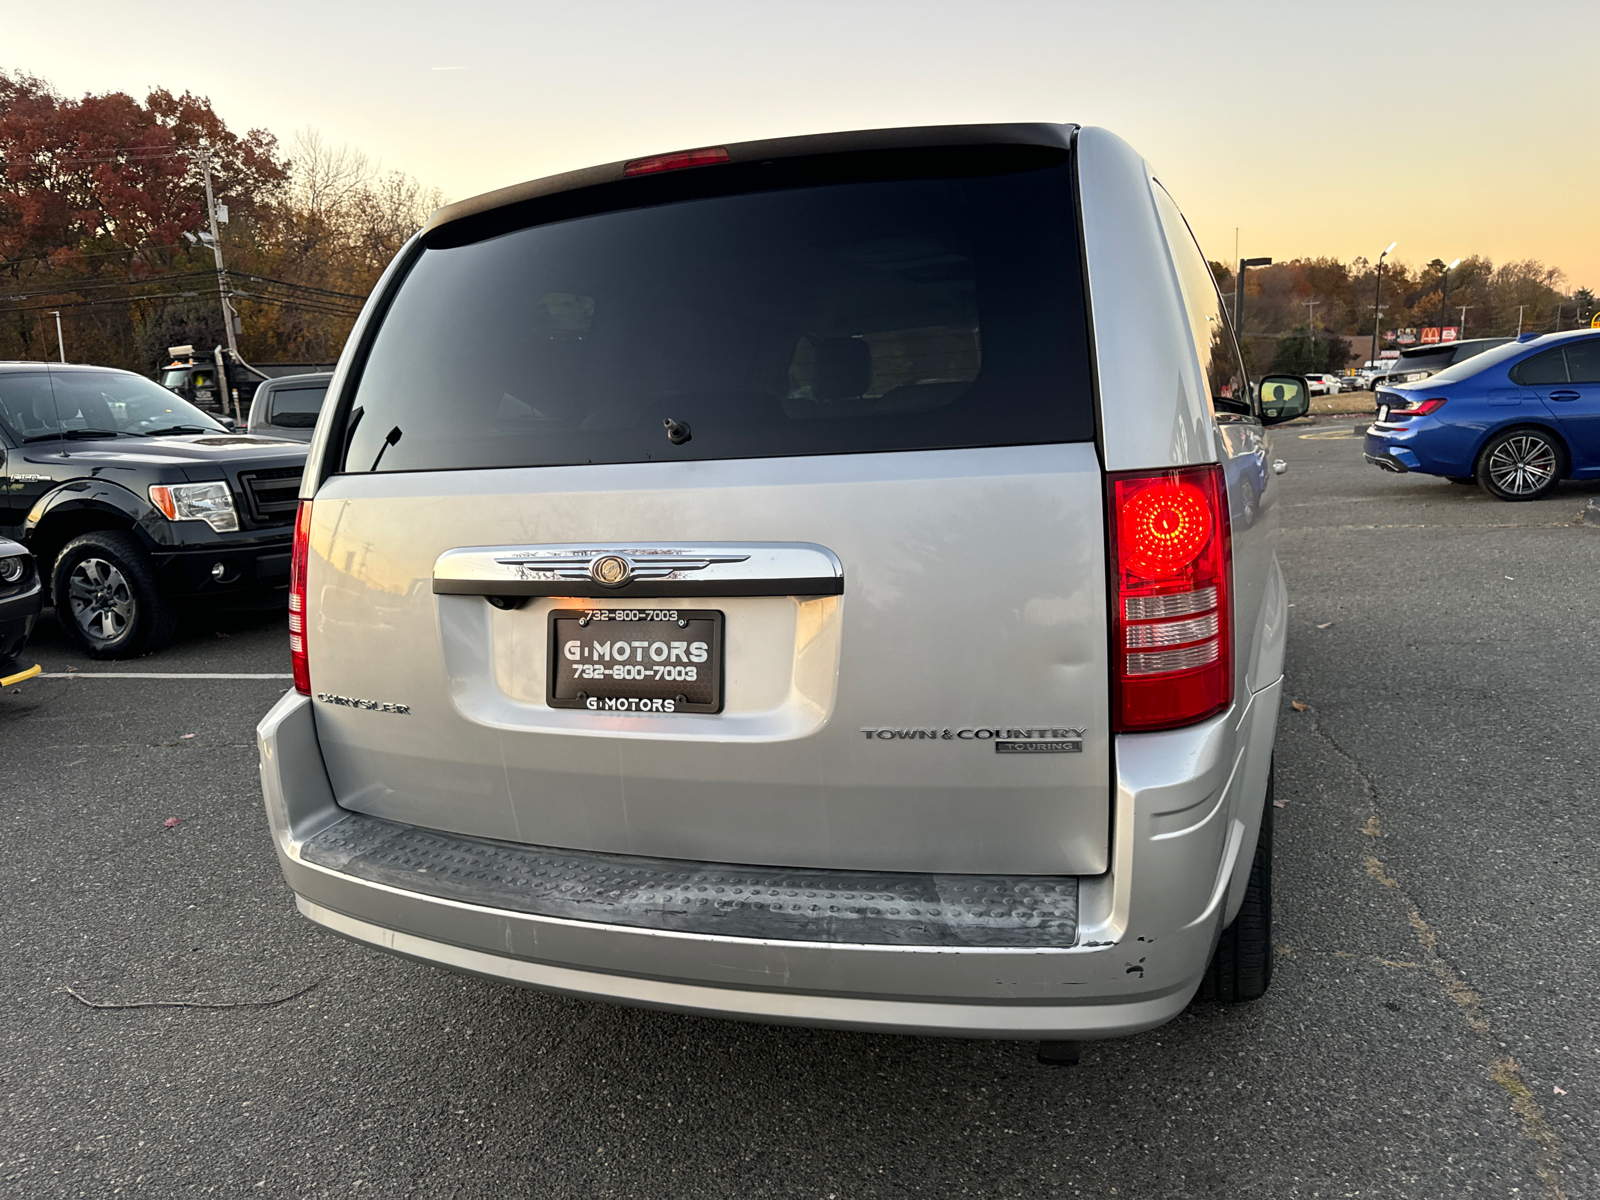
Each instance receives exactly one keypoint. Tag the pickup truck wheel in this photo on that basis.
(1241, 969)
(107, 598)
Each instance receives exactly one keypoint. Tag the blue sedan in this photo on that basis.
(1516, 419)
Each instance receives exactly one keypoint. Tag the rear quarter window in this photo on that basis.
(1549, 367)
(848, 315)
(297, 408)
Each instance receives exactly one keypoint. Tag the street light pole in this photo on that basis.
(1461, 333)
(1444, 294)
(1238, 295)
(1377, 301)
(61, 346)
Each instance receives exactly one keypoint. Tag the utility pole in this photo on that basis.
(61, 346)
(1520, 307)
(216, 253)
(1377, 301)
(228, 317)
(1311, 307)
(1461, 333)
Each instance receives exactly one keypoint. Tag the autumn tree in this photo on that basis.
(96, 195)
(341, 219)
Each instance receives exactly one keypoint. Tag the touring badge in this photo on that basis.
(1032, 740)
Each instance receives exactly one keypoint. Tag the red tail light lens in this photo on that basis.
(1173, 620)
(702, 157)
(297, 598)
(1420, 409)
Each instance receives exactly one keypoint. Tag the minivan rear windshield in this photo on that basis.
(845, 316)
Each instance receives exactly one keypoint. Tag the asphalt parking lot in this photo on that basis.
(1431, 1030)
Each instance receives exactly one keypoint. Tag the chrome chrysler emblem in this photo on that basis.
(610, 570)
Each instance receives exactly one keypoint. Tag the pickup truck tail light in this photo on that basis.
(1173, 622)
(297, 598)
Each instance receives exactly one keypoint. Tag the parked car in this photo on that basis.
(1323, 384)
(1419, 362)
(1517, 418)
(132, 499)
(19, 609)
(1351, 381)
(703, 595)
(1372, 373)
(287, 407)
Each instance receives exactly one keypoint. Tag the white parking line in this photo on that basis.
(154, 675)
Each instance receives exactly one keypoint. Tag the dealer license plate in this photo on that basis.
(636, 660)
(1383, 412)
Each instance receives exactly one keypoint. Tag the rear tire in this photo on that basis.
(107, 598)
(1521, 464)
(1241, 969)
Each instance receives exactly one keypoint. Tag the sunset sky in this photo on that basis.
(1453, 129)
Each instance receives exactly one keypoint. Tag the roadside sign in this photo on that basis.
(1388, 354)
(1430, 335)
(1449, 332)
(1594, 322)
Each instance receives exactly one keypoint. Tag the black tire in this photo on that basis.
(107, 599)
(1521, 464)
(1241, 969)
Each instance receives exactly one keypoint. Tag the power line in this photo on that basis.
(101, 303)
(304, 287)
(120, 156)
(17, 262)
(308, 305)
(73, 289)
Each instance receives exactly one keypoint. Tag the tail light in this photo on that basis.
(1173, 624)
(297, 598)
(1420, 409)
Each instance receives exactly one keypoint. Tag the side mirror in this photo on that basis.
(1283, 398)
(225, 421)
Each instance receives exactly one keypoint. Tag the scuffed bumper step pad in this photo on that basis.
(784, 903)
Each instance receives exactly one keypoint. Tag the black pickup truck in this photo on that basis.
(131, 499)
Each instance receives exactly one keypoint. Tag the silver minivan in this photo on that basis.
(830, 580)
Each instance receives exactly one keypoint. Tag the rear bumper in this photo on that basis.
(1389, 450)
(1187, 810)
(1399, 462)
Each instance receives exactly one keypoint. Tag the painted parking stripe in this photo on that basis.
(1331, 435)
(155, 675)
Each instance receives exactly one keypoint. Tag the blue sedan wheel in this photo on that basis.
(1521, 464)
